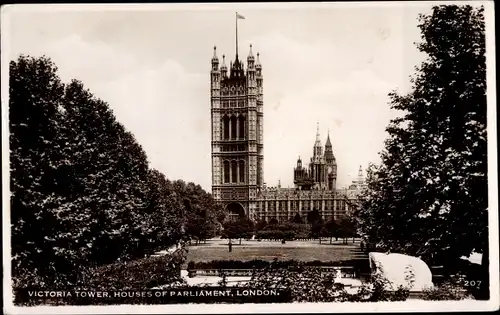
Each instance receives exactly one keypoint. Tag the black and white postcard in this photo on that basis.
(249, 157)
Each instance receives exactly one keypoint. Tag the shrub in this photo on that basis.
(140, 274)
(446, 291)
(261, 264)
(311, 285)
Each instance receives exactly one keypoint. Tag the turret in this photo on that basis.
(318, 149)
(329, 157)
(215, 60)
(215, 76)
(237, 69)
(250, 59)
(360, 175)
(251, 77)
(258, 66)
(223, 67)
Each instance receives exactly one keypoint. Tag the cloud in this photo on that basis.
(155, 77)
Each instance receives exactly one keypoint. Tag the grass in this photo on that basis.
(333, 253)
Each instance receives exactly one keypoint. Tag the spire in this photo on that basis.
(215, 60)
(250, 55)
(317, 132)
(318, 150)
(328, 142)
(360, 179)
(257, 62)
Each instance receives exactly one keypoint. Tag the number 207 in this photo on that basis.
(472, 283)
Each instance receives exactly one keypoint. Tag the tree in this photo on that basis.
(346, 228)
(241, 228)
(428, 198)
(165, 213)
(198, 227)
(78, 179)
(318, 229)
(332, 229)
(313, 216)
(297, 219)
(35, 93)
(273, 221)
(261, 224)
(199, 210)
(108, 170)
(82, 191)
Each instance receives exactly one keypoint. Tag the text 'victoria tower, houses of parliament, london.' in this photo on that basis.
(237, 111)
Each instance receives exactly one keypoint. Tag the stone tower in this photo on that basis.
(237, 133)
(331, 164)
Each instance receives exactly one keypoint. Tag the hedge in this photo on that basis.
(140, 274)
(259, 264)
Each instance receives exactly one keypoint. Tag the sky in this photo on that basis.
(332, 64)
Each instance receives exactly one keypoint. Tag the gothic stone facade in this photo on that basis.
(237, 133)
(237, 112)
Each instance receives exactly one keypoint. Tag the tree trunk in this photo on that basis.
(331, 240)
(240, 241)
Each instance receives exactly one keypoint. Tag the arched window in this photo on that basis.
(226, 172)
(226, 127)
(242, 127)
(234, 171)
(242, 171)
(233, 127)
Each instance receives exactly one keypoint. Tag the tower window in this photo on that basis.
(242, 171)
(226, 171)
(233, 127)
(234, 171)
(226, 127)
(242, 127)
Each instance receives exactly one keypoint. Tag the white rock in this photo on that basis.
(474, 258)
(398, 268)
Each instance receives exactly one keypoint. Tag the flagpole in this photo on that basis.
(236, 16)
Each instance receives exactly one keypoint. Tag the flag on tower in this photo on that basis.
(239, 16)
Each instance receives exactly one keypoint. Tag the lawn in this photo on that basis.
(323, 253)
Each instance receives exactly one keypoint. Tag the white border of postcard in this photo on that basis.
(407, 306)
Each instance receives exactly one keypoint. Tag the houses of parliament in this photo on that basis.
(237, 112)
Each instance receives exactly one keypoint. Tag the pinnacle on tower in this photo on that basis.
(215, 53)
(328, 142)
(257, 62)
(224, 62)
(318, 141)
(250, 54)
(215, 60)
